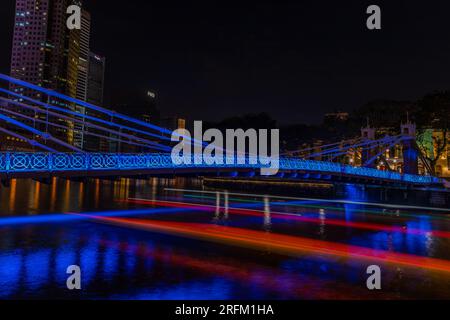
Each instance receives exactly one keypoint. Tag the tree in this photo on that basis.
(433, 115)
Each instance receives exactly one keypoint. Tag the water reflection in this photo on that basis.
(12, 195)
(267, 219)
(122, 262)
(225, 213)
(115, 267)
(217, 211)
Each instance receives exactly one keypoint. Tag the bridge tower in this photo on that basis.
(410, 152)
(367, 134)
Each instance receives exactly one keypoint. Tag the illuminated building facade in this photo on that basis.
(402, 157)
(84, 56)
(96, 79)
(29, 59)
(30, 42)
(46, 53)
(79, 70)
(173, 123)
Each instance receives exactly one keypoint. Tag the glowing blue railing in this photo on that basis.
(11, 162)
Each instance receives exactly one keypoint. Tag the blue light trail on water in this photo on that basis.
(65, 217)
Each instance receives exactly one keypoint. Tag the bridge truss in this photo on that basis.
(50, 122)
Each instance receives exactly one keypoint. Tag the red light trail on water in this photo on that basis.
(292, 216)
(284, 244)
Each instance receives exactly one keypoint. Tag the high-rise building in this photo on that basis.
(30, 45)
(82, 37)
(46, 53)
(83, 57)
(30, 35)
(31, 49)
(96, 79)
(94, 95)
(44, 49)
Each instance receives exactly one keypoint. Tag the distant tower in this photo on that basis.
(81, 74)
(410, 152)
(367, 134)
(83, 64)
(94, 95)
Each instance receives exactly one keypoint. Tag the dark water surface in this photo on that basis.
(195, 245)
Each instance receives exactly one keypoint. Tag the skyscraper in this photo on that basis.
(30, 42)
(83, 38)
(46, 53)
(83, 61)
(44, 49)
(96, 79)
(32, 49)
(94, 95)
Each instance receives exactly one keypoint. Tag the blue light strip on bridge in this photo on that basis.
(149, 145)
(11, 162)
(85, 116)
(24, 126)
(82, 103)
(96, 108)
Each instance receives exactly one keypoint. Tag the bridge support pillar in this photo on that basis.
(367, 134)
(317, 149)
(410, 152)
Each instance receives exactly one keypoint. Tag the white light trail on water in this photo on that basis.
(375, 204)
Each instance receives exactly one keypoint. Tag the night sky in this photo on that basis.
(293, 59)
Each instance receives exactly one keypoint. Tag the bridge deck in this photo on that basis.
(31, 165)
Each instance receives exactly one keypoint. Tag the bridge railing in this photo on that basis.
(11, 162)
(333, 167)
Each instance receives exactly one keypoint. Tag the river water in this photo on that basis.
(173, 239)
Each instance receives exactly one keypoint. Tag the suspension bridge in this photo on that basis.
(60, 131)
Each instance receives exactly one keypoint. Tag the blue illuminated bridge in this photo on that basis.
(26, 165)
(38, 116)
